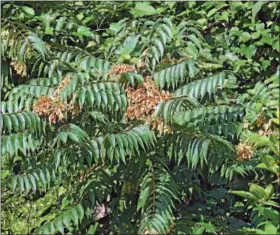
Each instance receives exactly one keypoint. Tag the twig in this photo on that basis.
(101, 22)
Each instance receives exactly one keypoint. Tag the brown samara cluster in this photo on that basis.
(245, 151)
(143, 101)
(118, 70)
(54, 108)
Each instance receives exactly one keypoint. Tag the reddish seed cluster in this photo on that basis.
(244, 151)
(43, 106)
(144, 99)
(118, 70)
(53, 108)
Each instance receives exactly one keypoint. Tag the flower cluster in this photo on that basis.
(43, 105)
(54, 108)
(244, 151)
(118, 70)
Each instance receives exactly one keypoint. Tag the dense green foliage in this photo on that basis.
(77, 156)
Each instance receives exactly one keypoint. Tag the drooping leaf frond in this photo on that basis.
(156, 200)
(176, 75)
(199, 88)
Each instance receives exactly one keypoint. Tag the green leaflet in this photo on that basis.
(14, 143)
(103, 95)
(74, 215)
(246, 195)
(38, 45)
(256, 8)
(22, 121)
(175, 75)
(199, 88)
(132, 79)
(129, 142)
(172, 107)
(143, 9)
(156, 193)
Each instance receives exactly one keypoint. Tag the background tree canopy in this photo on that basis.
(140, 117)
